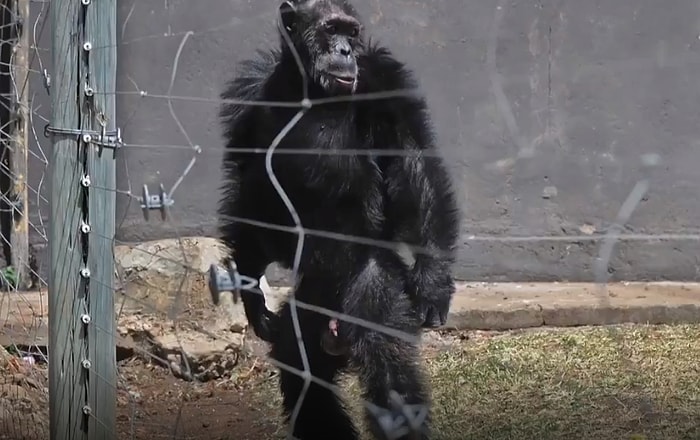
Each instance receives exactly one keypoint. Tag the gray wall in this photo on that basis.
(545, 111)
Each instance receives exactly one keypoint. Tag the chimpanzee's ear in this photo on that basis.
(288, 15)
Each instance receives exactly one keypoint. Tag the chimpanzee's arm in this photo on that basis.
(421, 209)
(241, 201)
(423, 213)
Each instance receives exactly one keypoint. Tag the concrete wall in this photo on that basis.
(546, 113)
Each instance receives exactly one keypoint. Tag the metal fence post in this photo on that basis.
(82, 358)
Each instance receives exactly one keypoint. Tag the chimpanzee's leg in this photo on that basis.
(322, 414)
(388, 363)
(391, 366)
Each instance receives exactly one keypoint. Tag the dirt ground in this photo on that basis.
(629, 382)
(151, 403)
(159, 405)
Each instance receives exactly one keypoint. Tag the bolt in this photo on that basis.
(85, 228)
(89, 91)
(85, 2)
(86, 364)
(87, 410)
(87, 138)
(85, 180)
(85, 318)
(87, 46)
(85, 272)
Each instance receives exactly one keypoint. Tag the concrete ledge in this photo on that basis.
(476, 306)
(503, 306)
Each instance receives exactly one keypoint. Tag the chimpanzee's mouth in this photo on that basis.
(344, 80)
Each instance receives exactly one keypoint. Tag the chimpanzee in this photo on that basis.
(360, 169)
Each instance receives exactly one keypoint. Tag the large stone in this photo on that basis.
(171, 276)
(164, 274)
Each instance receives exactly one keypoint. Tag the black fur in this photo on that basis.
(391, 198)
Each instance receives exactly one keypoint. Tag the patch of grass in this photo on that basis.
(630, 382)
(8, 278)
(603, 383)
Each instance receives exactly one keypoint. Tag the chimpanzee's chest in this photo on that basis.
(334, 174)
(338, 136)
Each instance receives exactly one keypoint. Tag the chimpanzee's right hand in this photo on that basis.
(265, 324)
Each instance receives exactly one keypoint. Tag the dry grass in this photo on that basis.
(625, 383)
(632, 382)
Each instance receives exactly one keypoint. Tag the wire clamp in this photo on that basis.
(161, 202)
(104, 139)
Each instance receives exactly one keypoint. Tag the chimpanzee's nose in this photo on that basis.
(343, 48)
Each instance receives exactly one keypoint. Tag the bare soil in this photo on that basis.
(158, 405)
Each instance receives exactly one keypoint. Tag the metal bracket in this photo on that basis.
(161, 202)
(228, 280)
(105, 139)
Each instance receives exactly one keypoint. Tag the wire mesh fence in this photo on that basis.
(190, 369)
(23, 213)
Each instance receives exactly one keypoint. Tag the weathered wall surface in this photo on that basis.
(546, 113)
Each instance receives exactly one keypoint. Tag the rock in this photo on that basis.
(195, 345)
(172, 275)
(196, 356)
(167, 274)
(167, 256)
(5, 357)
(230, 316)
